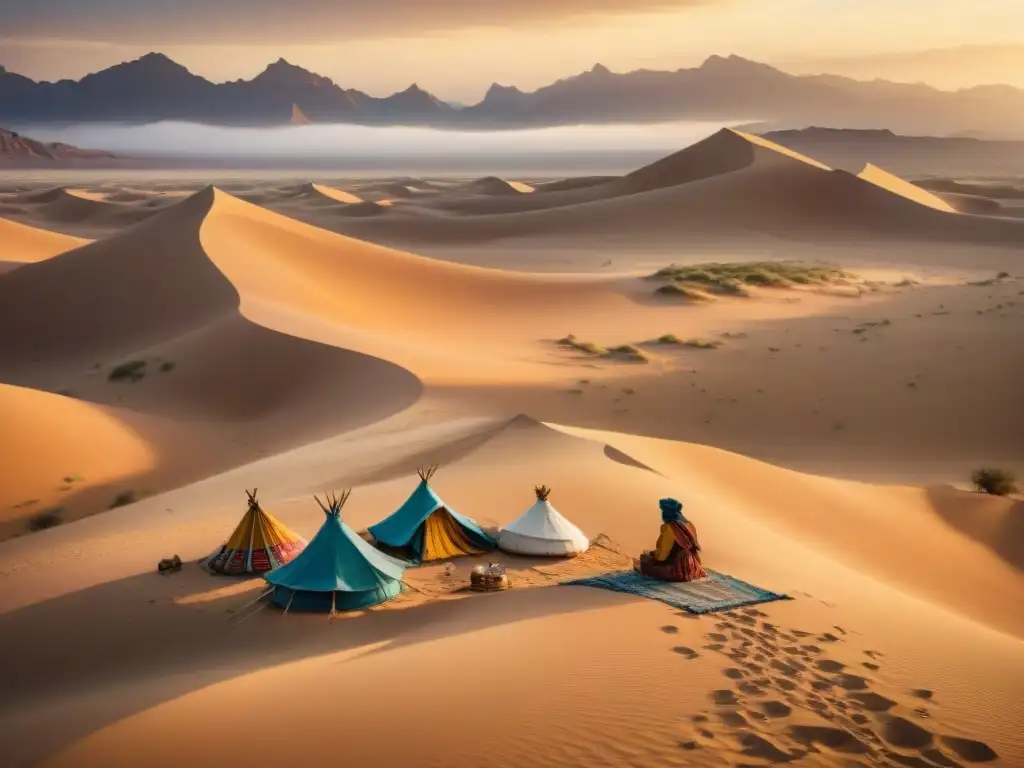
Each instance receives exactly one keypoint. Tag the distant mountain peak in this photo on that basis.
(600, 69)
(283, 73)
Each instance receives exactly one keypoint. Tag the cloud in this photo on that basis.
(292, 21)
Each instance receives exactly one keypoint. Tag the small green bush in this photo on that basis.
(48, 519)
(998, 482)
(133, 370)
(123, 499)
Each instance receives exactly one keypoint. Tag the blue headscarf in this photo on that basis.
(671, 511)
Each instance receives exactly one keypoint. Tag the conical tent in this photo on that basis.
(542, 530)
(337, 571)
(259, 544)
(424, 528)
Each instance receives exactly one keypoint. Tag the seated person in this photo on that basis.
(676, 557)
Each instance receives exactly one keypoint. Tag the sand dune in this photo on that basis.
(492, 185)
(217, 346)
(80, 211)
(750, 525)
(22, 244)
(730, 183)
(320, 192)
(898, 186)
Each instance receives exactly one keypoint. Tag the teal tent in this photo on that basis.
(337, 571)
(424, 528)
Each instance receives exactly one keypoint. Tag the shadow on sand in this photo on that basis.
(140, 646)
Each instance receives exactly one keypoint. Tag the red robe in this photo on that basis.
(682, 562)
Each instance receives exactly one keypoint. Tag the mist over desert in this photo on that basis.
(812, 360)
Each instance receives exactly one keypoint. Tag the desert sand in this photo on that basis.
(301, 336)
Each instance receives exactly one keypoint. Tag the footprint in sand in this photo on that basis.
(791, 669)
(903, 734)
(851, 682)
(685, 652)
(969, 750)
(670, 629)
(724, 698)
(754, 612)
(874, 654)
(830, 666)
(718, 637)
(810, 649)
(715, 647)
(725, 625)
(750, 689)
(835, 739)
(699, 718)
(922, 693)
(760, 748)
(775, 708)
(734, 674)
(828, 637)
(783, 684)
(869, 665)
(689, 745)
(872, 702)
(822, 685)
(733, 719)
(801, 633)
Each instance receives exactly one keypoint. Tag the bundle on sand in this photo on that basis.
(169, 564)
(489, 579)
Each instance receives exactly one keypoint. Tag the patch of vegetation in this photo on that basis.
(994, 481)
(865, 327)
(123, 499)
(167, 366)
(1003, 276)
(907, 282)
(731, 279)
(132, 370)
(671, 338)
(682, 291)
(48, 519)
(588, 347)
(629, 352)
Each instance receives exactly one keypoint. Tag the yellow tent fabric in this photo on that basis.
(443, 538)
(260, 543)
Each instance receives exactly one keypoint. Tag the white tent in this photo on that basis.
(542, 530)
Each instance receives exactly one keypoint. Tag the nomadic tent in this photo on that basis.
(337, 571)
(259, 544)
(542, 530)
(424, 528)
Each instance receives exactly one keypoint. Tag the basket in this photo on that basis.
(489, 579)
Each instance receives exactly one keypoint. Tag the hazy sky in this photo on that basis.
(456, 48)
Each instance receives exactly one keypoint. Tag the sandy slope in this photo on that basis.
(78, 211)
(730, 182)
(617, 663)
(295, 359)
(22, 244)
(899, 186)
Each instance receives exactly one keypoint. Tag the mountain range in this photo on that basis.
(155, 88)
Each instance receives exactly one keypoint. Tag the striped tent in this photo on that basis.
(424, 528)
(259, 544)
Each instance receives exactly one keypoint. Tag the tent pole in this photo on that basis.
(253, 602)
(334, 607)
(289, 603)
(250, 615)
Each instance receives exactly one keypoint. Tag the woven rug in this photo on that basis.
(716, 592)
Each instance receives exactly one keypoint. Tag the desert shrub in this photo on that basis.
(588, 347)
(48, 519)
(702, 344)
(998, 482)
(1002, 275)
(123, 499)
(629, 352)
(132, 370)
(682, 291)
(727, 277)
